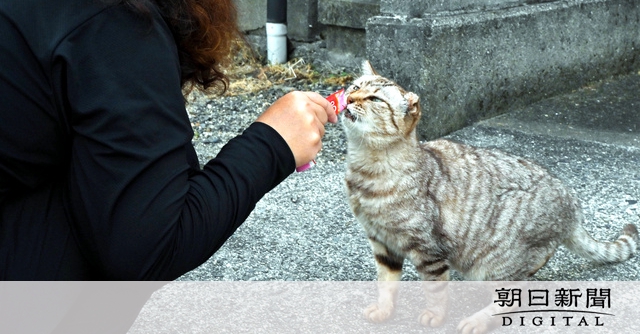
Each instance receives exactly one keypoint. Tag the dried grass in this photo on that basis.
(247, 74)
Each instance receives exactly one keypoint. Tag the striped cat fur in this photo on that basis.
(444, 205)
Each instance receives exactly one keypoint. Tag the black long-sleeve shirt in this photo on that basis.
(98, 177)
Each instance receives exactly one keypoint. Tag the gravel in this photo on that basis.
(303, 230)
(281, 239)
(216, 120)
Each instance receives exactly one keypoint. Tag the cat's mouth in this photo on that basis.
(349, 115)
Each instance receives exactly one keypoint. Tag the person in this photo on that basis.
(98, 176)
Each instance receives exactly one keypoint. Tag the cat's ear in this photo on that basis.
(413, 100)
(367, 69)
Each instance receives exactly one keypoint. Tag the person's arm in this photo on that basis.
(139, 211)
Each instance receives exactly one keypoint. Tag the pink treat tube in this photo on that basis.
(339, 102)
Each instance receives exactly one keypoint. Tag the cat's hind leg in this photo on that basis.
(435, 273)
(389, 266)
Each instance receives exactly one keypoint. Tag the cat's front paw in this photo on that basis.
(377, 313)
(431, 319)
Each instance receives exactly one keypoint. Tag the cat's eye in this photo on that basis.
(375, 99)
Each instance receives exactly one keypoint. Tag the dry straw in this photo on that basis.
(247, 73)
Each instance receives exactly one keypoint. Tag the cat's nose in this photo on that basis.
(349, 99)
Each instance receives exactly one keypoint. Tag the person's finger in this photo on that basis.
(327, 113)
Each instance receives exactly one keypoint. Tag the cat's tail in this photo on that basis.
(619, 250)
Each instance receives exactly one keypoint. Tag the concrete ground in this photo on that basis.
(304, 231)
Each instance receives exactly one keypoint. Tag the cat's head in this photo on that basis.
(379, 110)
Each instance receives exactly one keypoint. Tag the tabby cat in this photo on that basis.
(441, 204)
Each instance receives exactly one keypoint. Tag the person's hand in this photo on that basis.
(299, 117)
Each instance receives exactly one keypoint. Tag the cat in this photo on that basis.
(444, 205)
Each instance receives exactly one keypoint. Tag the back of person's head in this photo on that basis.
(205, 32)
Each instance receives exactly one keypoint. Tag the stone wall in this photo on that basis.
(419, 8)
(340, 24)
(471, 64)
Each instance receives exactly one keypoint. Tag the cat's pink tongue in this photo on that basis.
(339, 102)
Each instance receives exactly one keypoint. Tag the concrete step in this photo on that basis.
(472, 64)
(607, 112)
(418, 8)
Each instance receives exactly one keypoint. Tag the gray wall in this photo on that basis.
(252, 14)
(302, 17)
(473, 64)
(339, 23)
(418, 8)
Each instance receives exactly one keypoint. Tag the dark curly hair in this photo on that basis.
(204, 31)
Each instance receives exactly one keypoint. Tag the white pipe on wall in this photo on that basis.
(277, 31)
(276, 43)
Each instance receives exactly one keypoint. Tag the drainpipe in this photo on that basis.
(277, 31)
